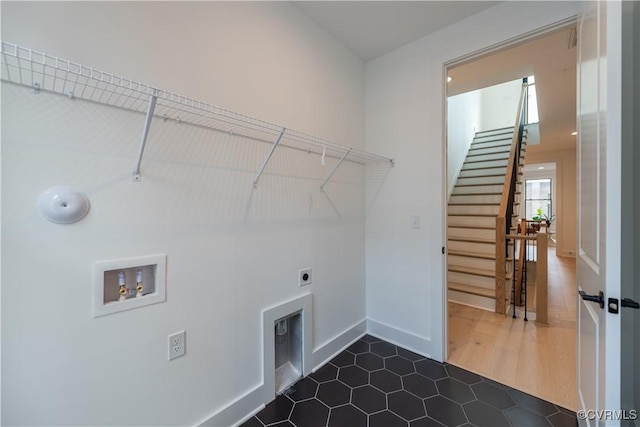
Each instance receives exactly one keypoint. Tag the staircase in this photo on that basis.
(472, 210)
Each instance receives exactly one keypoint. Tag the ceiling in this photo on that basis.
(551, 58)
(373, 28)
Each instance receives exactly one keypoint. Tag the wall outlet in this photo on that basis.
(304, 276)
(177, 344)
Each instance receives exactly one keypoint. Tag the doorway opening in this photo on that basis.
(539, 360)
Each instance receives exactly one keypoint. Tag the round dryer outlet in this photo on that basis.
(304, 276)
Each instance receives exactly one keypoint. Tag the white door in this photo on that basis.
(599, 211)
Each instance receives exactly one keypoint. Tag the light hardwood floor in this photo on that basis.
(539, 360)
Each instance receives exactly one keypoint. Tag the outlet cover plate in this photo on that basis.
(177, 345)
(304, 276)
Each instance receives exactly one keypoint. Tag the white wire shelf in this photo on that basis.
(44, 72)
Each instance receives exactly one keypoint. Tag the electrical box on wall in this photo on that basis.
(128, 283)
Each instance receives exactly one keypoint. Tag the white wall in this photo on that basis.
(500, 105)
(404, 119)
(231, 251)
(464, 113)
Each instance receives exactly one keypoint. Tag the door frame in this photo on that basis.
(469, 57)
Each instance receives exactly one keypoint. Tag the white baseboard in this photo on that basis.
(238, 411)
(408, 340)
(252, 402)
(337, 344)
(567, 254)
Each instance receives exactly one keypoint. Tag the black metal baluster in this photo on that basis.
(513, 279)
(524, 277)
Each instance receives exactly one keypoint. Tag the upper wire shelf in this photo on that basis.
(44, 72)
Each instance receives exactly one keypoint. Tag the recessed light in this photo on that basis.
(541, 167)
(449, 79)
(574, 133)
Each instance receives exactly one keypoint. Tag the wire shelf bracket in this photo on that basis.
(335, 169)
(46, 73)
(266, 160)
(153, 98)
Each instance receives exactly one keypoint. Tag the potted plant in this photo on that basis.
(539, 217)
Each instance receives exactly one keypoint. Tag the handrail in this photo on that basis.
(515, 149)
(503, 220)
(519, 237)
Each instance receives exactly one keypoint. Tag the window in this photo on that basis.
(537, 195)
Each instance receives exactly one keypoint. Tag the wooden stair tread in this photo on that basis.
(495, 153)
(479, 255)
(485, 160)
(473, 290)
(494, 138)
(476, 185)
(476, 194)
(483, 151)
(506, 128)
(471, 254)
(479, 169)
(473, 204)
(472, 240)
(472, 270)
(475, 271)
(474, 227)
(481, 176)
(471, 215)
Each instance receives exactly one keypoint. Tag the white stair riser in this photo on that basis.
(486, 164)
(465, 261)
(470, 221)
(472, 280)
(483, 172)
(479, 150)
(475, 157)
(471, 233)
(501, 133)
(473, 209)
(491, 143)
(506, 130)
(475, 198)
(478, 189)
(475, 180)
(481, 248)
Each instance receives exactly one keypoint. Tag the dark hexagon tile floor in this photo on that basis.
(375, 383)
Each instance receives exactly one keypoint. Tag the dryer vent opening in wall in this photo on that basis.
(287, 344)
(288, 351)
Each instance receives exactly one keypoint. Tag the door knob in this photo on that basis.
(628, 302)
(593, 298)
